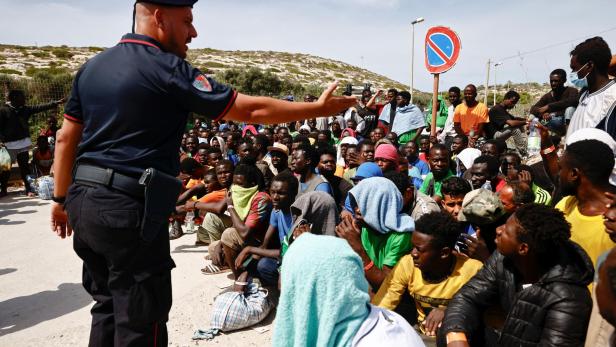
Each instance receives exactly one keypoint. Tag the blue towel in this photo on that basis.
(407, 118)
(380, 204)
(324, 298)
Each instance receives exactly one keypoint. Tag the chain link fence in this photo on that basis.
(40, 89)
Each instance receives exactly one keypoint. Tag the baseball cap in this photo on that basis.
(481, 206)
(278, 147)
(367, 170)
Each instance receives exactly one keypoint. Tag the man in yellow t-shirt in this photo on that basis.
(585, 169)
(471, 115)
(432, 274)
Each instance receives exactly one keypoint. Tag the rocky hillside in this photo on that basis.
(301, 68)
(23, 62)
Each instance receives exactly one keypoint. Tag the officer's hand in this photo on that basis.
(331, 104)
(59, 221)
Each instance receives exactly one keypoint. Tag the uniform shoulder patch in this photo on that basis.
(202, 84)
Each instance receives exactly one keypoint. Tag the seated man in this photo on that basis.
(365, 154)
(212, 205)
(485, 174)
(559, 104)
(433, 272)
(494, 148)
(454, 189)
(416, 204)
(504, 125)
(418, 169)
(214, 155)
(249, 209)
(514, 195)
(211, 191)
(386, 157)
(303, 164)
(408, 121)
(380, 236)
(278, 158)
(327, 168)
(282, 192)
(538, 277)
(192, 170)
(440, 170)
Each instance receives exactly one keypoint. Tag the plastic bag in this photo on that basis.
(235, 310)
(5, 159)
(44, 187)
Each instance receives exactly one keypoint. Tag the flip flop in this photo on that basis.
(212, 269)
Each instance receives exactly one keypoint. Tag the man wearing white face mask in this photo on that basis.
(590, 61)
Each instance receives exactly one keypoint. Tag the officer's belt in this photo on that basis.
(88, 175)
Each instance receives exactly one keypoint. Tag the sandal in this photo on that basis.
(212, 269)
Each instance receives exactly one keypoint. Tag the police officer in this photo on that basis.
(117, 158)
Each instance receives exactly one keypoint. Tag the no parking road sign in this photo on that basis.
(442, 49)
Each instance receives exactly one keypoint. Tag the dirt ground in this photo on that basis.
(42, 302)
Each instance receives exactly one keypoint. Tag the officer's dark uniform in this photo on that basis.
(133, 101)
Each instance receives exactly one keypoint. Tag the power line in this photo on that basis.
(554, 45)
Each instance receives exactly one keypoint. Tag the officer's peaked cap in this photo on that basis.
(179, 3)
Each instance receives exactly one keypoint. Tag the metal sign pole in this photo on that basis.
(434, 106)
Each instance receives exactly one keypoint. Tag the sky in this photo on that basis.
(372, 34)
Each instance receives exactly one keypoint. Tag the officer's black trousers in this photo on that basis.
(130, 280)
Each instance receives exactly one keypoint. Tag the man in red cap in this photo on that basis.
(122, 175)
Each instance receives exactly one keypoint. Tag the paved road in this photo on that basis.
(42, 302)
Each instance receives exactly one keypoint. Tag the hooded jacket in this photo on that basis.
(552, 312)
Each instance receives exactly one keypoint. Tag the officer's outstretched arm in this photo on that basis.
(263, 110)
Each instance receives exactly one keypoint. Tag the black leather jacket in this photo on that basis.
(552, 312)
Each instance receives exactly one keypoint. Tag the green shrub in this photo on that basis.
(10, 71)
(62, 53)
(40, 54)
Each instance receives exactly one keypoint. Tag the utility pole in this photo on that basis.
(485, 97)
(418, 20)
(495, 66)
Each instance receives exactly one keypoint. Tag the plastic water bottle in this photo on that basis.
(190, 221)
(487, 186)
(534, 140)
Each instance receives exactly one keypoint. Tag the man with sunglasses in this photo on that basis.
(590, 61)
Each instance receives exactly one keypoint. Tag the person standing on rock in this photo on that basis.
(115, 179)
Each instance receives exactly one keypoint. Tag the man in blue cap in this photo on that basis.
(115, 179)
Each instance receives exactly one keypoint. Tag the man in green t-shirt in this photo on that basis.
(382, 235)
(440, 170)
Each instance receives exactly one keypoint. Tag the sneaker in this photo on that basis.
(176, 230)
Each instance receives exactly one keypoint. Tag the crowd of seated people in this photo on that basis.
(457, 239)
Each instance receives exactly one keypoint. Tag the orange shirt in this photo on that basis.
(470, 117)
(214, 196)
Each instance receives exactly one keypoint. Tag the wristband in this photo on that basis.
(241, 283)
(548, 150)
(230, 207)
(456, 337)
(60, 200)
(369, 266)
